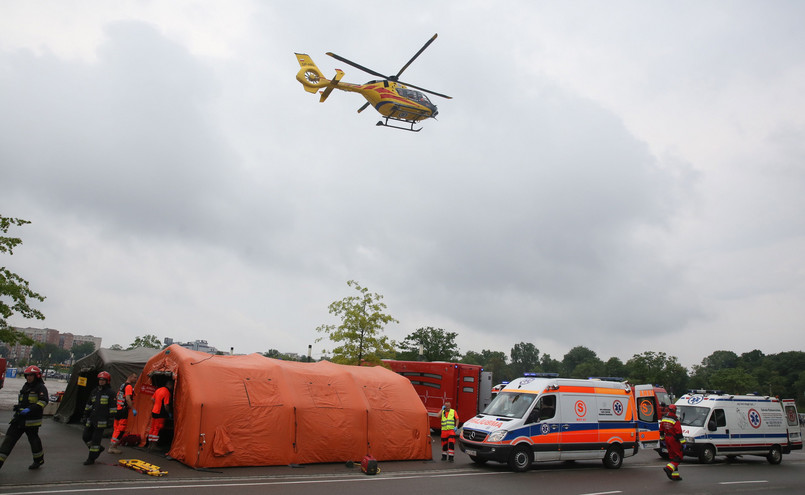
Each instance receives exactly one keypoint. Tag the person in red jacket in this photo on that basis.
(671, 433)
(159, 413)
(125, 403)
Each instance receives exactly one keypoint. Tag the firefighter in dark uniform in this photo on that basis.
(99, 414)
(671, 433)
(27, 417)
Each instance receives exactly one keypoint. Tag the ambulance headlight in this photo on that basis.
(690, 440)
(496, 436)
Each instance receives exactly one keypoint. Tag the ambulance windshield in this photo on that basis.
(692, 415)
(510, 405)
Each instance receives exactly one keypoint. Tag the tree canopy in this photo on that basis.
(147, 340)
(82, 349)
(437, 345)
(359, 336)
(15, 293)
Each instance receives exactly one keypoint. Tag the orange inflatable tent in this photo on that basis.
(256, 411)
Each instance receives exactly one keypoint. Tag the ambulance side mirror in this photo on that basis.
(711, 425)
(534, 416)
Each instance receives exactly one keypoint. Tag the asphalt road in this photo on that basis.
(64, 472)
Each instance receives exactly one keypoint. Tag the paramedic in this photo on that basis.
(27, 417)
(99, 414)
(671, 432)
(449, 423)
(125, 402)
(160, 412)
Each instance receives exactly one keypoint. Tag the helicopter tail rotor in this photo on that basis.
(309, 75)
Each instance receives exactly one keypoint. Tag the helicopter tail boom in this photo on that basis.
(331, 86)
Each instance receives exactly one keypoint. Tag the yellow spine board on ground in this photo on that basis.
(142, 467)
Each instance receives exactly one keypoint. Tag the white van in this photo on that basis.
(732, 425)
(553, 419)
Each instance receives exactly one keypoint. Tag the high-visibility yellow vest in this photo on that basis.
(449, 420)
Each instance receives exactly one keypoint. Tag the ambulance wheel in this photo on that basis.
(707, 454)
(520, 458)
(478, 460)
(614, 457)
(775, 455)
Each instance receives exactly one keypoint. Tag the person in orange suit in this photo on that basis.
(671, 433)
(159, 412)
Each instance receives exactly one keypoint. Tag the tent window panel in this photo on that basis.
(324, 395)
(378, 398)
(262, 393)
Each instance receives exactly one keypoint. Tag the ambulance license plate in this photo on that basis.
(471, 452)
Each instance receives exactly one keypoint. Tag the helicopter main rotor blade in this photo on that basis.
(357, 66)
(425, 90)
(416, 55)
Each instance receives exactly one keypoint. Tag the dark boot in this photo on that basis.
(37, 463)
(89, 461)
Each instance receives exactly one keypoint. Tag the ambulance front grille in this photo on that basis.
(473, 435)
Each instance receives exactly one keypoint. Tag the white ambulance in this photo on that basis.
(553, 419)
(731, 425)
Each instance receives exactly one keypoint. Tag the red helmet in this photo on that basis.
(33, 370)
(103, 375)
(672, 408)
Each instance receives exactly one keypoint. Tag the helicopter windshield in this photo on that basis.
(414, 95)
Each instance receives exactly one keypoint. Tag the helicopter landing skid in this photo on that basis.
(386, 124)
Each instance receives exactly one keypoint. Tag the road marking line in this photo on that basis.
(741, 482)
(602, 493)
(242, 484)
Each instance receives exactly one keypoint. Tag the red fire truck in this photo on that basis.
(467, 386)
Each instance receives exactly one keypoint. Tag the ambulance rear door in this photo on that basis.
(792, 419)
(648, 417)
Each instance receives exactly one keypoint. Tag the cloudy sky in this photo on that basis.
(625, 175)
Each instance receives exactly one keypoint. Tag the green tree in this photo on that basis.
(733, 381)
(437, 345)
(15, 293)
(550, 365)
(658, 368)
(359, 334)
(147, 340)
(275, 354)
(614, 367)
(48, 354)
(718, 360)
(577, 356)
(525, 358)
(82, 350)
(495, 361)
(472, 357)
(116, 347)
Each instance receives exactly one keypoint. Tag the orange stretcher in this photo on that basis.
(142, 467)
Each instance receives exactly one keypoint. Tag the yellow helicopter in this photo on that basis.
(392, 98)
